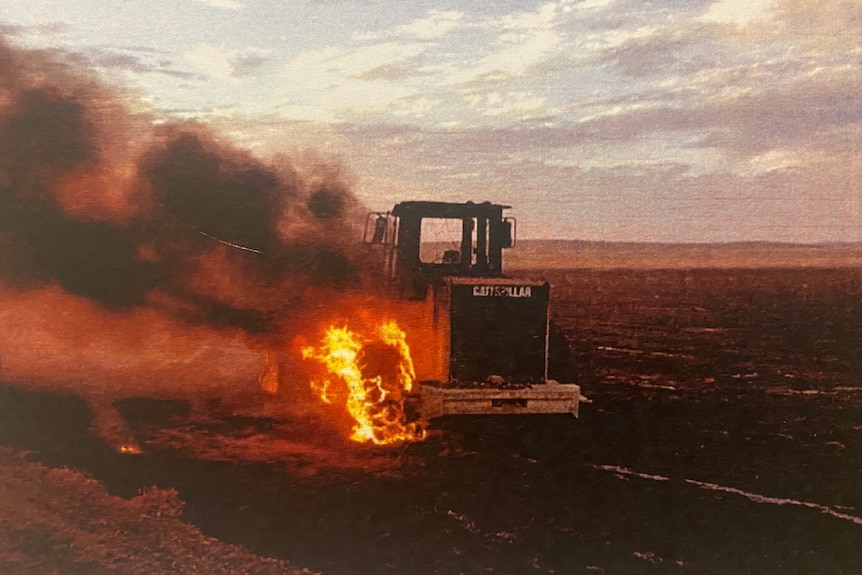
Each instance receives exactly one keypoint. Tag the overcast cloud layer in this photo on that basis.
(667, 120)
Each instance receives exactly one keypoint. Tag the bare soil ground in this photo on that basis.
(724, 436)
(61, 521)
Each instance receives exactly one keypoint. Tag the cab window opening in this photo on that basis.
(442, 241)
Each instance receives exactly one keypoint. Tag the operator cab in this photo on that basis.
(426, 242)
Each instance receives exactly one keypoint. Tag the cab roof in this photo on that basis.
(431, 209)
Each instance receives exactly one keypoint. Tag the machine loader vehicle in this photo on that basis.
(490, 331)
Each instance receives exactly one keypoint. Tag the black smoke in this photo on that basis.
(235, 200)
(202, 225)
(43, 136)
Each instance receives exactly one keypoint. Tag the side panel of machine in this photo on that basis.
(498, 328)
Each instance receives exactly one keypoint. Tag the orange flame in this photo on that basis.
(370, 376)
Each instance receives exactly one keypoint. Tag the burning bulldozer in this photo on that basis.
(479, 341)
(491, 331)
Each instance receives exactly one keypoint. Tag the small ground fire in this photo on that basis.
(369, 375)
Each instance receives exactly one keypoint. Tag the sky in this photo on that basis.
(611, 120)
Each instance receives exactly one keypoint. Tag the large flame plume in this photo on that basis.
(369, 376)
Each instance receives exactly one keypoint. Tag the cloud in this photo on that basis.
(227, 4)
(435, 25)
(491, 68)
(247, 64)
(525, 40)
(517, 53)
(616, 98)
(510, 104)
(664, 184)
(225, 64)
(738, 12)
(136, 61)
(335, 64)
(601, 109)
(660, 53)
(782, 83)
(763, 115)
(44, 30)
(338, 82)
(10, 29)
(589, 5)
(211, 60)
(613, 80)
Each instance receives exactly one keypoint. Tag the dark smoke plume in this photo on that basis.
(202, 188)
(100, 202)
